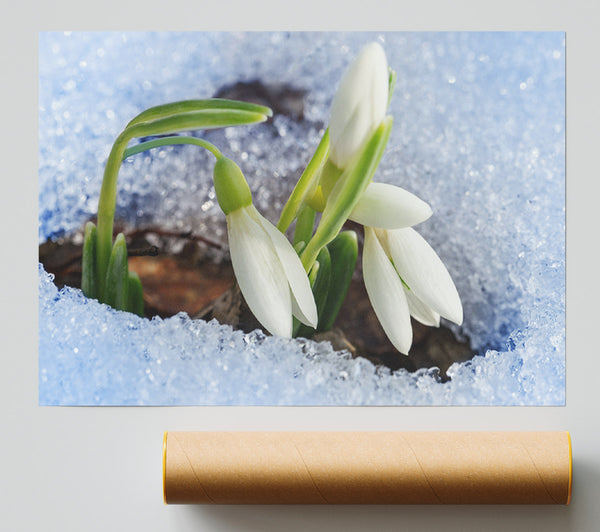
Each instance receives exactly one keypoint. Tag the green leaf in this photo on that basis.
(299, 247)
(343, 251)
(187, 106)
(135, 303)
(304, 225)
(347, 191)
(202, 119)
(88, 262)
(117, 276)
(306, 185)
(319, 277)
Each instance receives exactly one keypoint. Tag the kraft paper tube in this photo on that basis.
(367, 467)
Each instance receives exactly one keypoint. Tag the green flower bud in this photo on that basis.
(231, 187)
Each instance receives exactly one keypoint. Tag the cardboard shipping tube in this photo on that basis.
(367, 467)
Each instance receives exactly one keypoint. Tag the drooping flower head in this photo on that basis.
(268, 270)
(405, 277)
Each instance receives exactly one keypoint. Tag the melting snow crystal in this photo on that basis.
(478, 133)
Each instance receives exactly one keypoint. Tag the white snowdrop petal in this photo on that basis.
(359, 104)
(386, 293)
(389, 207)
(420, 311)
(303, 301)
(380, 81)
(259, 273)
(424, 272)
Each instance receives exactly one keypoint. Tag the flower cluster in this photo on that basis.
(298, 289)
(403, 275)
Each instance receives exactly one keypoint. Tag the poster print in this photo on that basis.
(356, 219)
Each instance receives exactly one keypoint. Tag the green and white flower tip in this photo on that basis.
(405, 277)
(268, 270)
(359, 105)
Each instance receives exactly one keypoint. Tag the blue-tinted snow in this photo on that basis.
(479, 133)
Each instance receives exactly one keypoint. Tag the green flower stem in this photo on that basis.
(197, 119)
(168, 141)
(106, 210)
(347, 191)
(306, 186)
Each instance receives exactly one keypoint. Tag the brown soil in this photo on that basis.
(190, 281)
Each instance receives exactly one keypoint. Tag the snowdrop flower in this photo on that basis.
(402, 273)
(359, 105)
(405, 277)
(268, 270)
(340, 173)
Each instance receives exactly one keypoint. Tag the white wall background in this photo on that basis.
(98, 469)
